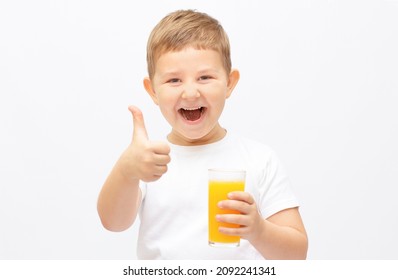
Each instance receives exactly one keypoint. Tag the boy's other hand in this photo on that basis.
(144, 159)
(250, 220)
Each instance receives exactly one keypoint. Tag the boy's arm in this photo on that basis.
(119, 200)
(144, 160)
(281, 236)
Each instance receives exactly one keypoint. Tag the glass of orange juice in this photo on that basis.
(222, 182)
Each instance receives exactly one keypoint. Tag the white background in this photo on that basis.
(319, 84)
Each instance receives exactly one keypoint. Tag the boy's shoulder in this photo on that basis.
(250, 143)
(257, 154)
(251, 147)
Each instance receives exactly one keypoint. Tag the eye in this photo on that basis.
(173, 81)
(205, 77)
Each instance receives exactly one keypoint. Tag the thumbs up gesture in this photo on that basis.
(144, 159)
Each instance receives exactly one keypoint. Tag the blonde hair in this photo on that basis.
(187, 28)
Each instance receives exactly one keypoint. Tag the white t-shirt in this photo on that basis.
(174, 209)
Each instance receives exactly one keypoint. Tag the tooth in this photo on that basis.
(191, 109)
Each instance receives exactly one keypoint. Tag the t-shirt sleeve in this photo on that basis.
(276, 190)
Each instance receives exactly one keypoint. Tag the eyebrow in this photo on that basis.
(210, 69)
(178, 73)
(170, 74)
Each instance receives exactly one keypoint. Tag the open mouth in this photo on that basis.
(192, 114)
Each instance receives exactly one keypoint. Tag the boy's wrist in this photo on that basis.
(258, 237)
(124, 171)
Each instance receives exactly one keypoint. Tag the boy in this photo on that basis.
(190, 78)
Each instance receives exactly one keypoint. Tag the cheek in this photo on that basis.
(167, 103)
(216, 90)
(217, 98)
(164, 97)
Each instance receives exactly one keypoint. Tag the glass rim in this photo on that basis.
(226, 170)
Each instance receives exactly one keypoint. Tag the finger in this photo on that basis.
(151, 178)
(160, 147)
(159, 170)
(161, 159)
(241, 231)
(241, 196)
(240, 206)
(139, 131)
(229, 231)
(233, 219)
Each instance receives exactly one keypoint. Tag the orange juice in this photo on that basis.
(218, 191)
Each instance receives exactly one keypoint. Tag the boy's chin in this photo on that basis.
(193, 138)
(186, 139)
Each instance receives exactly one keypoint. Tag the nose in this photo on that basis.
(190, 91)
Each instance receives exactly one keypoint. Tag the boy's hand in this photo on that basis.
(144, 159)
(250, 221)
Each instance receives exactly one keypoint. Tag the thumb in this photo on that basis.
(139, 125)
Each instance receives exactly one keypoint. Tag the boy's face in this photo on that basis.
(191, 86)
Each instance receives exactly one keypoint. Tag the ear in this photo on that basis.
(149, 89)
(233, 79)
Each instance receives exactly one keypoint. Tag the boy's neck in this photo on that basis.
(215, 135)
